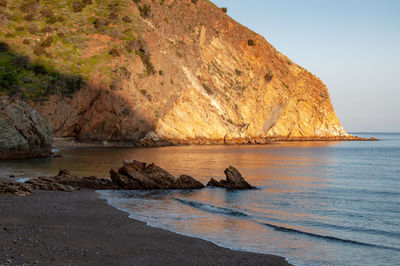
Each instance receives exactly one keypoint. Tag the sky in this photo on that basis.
(353, 46)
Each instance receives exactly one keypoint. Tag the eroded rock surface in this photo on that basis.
(131, 175)
(65, 181)
(24, 132)
(234, 180)
(138, 175)
(15, 188)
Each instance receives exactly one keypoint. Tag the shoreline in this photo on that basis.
(70, 142)
(80, 227)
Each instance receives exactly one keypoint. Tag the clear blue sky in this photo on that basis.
(353, 46)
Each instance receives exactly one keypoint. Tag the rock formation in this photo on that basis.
(15, 188)
(183, 70)
(65, 181)
(23, 132)
(131, 175)
(234, 180)
(138, 175)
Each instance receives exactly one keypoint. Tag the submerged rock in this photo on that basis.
(24, 133)
(138, 175)
(234, 180)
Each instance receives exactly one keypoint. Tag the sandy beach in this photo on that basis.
(79, 228)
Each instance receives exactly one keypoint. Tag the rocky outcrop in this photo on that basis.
(138, 175)
(65, 181)
(24, 133)
(131, 175)
(234, 180)
(14, 188)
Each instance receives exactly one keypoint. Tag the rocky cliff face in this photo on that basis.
(24, 133)
(183, 69)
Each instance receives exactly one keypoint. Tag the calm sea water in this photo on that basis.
(317, 203)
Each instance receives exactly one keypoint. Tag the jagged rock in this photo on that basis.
(152, 140)
(64, 181)
(24, 133)
(189, 182)
(15, 188)
(234, 180)
(137, 175)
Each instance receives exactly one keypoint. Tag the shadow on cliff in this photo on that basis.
(27, 80)
(86, 110)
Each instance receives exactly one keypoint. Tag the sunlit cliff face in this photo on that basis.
(188, 72)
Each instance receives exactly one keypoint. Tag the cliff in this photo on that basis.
(24, 133)
(182, 69)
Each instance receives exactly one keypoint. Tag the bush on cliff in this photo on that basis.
(32, 81)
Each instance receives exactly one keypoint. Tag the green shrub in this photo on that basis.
(251, 42)
(127, 19)
(33, 29)
(39, 50)
(3, 3)
(53, 20)
(98, 23)
(47, 42)
(224, 9)
(114, 52)
(144, 92)
(238, 72)
(208, 89)
(3, 47)
(30, 8)
(268, 77)
(113, 15)
(26, 42)
(145, 11)
(146, 61)
(160, 72)
(47, 29)
(77, 6)
(47, 13)
(33, 81)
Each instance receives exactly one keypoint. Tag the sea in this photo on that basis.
(316, 203)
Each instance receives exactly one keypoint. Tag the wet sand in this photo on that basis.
(79, 228)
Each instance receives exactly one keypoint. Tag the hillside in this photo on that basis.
(108, 70)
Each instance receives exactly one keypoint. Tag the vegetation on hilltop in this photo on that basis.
(78, 38)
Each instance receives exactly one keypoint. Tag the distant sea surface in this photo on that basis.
(317, 203)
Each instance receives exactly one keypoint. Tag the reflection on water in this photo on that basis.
(334, 203)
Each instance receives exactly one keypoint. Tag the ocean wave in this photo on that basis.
(291, 230)
(230, 212)
(210, 208)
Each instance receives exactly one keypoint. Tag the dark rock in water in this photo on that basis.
(189, 182)
(137, 175)
(234, 180)
(24, 133)
(12, 176)
(65, 181)
(213, 183)
(15, 188)
(58, 156)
